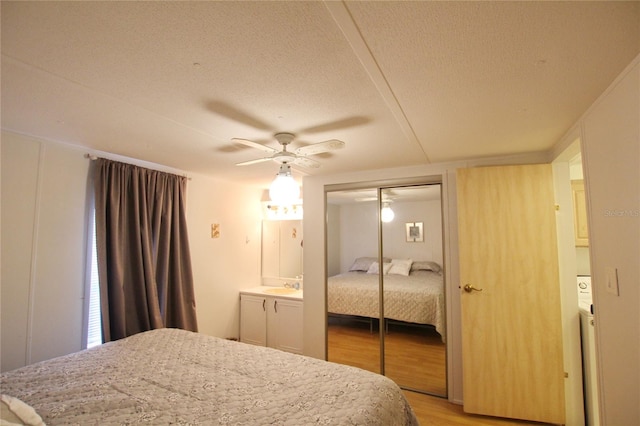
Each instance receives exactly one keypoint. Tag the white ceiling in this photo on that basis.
(402, 83)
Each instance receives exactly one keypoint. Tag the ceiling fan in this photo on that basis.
(298, 157)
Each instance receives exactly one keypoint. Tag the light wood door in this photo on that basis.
(511, 329)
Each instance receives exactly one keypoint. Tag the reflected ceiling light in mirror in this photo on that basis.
(284, 189)
(386, 214)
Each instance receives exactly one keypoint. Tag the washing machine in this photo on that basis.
(587, 334)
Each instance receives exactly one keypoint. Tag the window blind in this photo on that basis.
(94, 328)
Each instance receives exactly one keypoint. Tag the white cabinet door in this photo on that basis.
(284, 325)
(253, 320)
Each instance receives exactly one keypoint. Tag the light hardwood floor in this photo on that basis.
(415, 357)
(407, 351)
(435, 411)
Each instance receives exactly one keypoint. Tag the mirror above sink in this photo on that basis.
(281, 252)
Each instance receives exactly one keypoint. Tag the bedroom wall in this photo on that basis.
(222, 266)
(43, 250)
(44, 211)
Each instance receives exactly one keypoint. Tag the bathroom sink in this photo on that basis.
(280, 290)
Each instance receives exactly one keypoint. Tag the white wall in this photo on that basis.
(611, 155)
(222, 266)
(44, 189)
(44, 230)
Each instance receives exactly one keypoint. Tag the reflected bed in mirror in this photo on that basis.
(417, 297)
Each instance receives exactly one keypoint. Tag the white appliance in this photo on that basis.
(590, 378)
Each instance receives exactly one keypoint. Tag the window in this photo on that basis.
(94, 325)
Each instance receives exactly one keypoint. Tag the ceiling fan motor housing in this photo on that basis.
(284, 157)
(284, 138)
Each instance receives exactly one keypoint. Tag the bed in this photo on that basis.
(171, 376)
(415, 294)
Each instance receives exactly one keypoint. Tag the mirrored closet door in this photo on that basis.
(353, 289)
(385, 291)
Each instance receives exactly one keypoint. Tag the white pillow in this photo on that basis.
(17, 412)
(400, 266)
(375, 268)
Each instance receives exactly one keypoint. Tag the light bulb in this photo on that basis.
(284, 189)
(386, 214)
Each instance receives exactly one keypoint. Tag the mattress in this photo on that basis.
(171, 376)
(417, 298)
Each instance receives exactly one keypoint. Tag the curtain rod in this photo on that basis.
(94, 157)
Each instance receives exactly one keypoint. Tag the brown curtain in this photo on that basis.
(144, 264)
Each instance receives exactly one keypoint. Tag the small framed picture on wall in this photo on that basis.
(414, 232)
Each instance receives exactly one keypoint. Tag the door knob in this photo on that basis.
(469, 288)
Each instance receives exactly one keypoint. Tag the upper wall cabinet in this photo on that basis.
(281, 248)
(580, 213)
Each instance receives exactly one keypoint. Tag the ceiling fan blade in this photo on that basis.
(306, 162)
(256, 145)
(320, 147)
(259, 160)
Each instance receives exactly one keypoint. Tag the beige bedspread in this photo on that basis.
(171, 376)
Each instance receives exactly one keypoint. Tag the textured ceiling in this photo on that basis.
(401, 83)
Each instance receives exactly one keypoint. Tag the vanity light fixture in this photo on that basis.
(386, 214)
(284, 189)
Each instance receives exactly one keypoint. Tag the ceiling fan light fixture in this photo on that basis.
(284, 189)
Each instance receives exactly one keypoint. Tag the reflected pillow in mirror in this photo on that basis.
(364, 263)
(375, 268)
(426, 266)
(400, 266)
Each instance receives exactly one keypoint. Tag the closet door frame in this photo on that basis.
(379, 186)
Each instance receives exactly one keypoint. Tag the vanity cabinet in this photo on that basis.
(275, 322)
